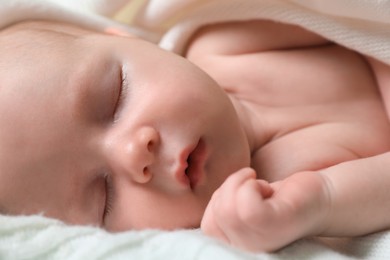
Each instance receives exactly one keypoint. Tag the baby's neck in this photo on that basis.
(246, 119)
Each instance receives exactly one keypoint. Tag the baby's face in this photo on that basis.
(112, 131)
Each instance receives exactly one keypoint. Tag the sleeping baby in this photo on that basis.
(262, 133)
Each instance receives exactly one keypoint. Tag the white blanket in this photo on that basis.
(362, 25)
(36, 237)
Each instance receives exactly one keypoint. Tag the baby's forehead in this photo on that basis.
(23, 42)
(48, 28)
(40, 34)
(33, 33)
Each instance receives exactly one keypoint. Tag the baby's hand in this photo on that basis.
(254, 215)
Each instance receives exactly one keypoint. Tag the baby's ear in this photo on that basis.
(118, 32)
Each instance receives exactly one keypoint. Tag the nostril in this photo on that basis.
(150, 146)
(146, 172)
(147, 175)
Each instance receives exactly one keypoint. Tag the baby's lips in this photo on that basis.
(196, 159)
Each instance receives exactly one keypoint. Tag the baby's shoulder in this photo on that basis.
(244, 37)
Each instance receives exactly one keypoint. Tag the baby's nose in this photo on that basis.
(133, 153)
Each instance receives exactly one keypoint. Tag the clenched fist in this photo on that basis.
(255, 215)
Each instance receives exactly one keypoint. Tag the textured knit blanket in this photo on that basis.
(36, 237)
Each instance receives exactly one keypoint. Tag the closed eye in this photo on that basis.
(109, 197)
(122, 93)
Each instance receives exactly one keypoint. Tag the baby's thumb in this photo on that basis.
(265, 189)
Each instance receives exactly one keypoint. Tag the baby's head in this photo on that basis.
(108, 130)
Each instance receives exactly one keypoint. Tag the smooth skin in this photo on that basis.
(319, 136)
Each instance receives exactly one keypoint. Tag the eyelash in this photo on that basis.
(122, 93)
(109, 187)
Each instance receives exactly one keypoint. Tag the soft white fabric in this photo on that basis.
(40, 238)
(84, 13)
(363, 25)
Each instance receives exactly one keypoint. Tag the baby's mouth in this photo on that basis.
(195, 163)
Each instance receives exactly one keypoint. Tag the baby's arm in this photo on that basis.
(359, 197)
(348, 199)
(249, 37)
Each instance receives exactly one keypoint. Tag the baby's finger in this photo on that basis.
(235, 180)
(209, 224)
(253, 212)
(225, 206)
(265, 188)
